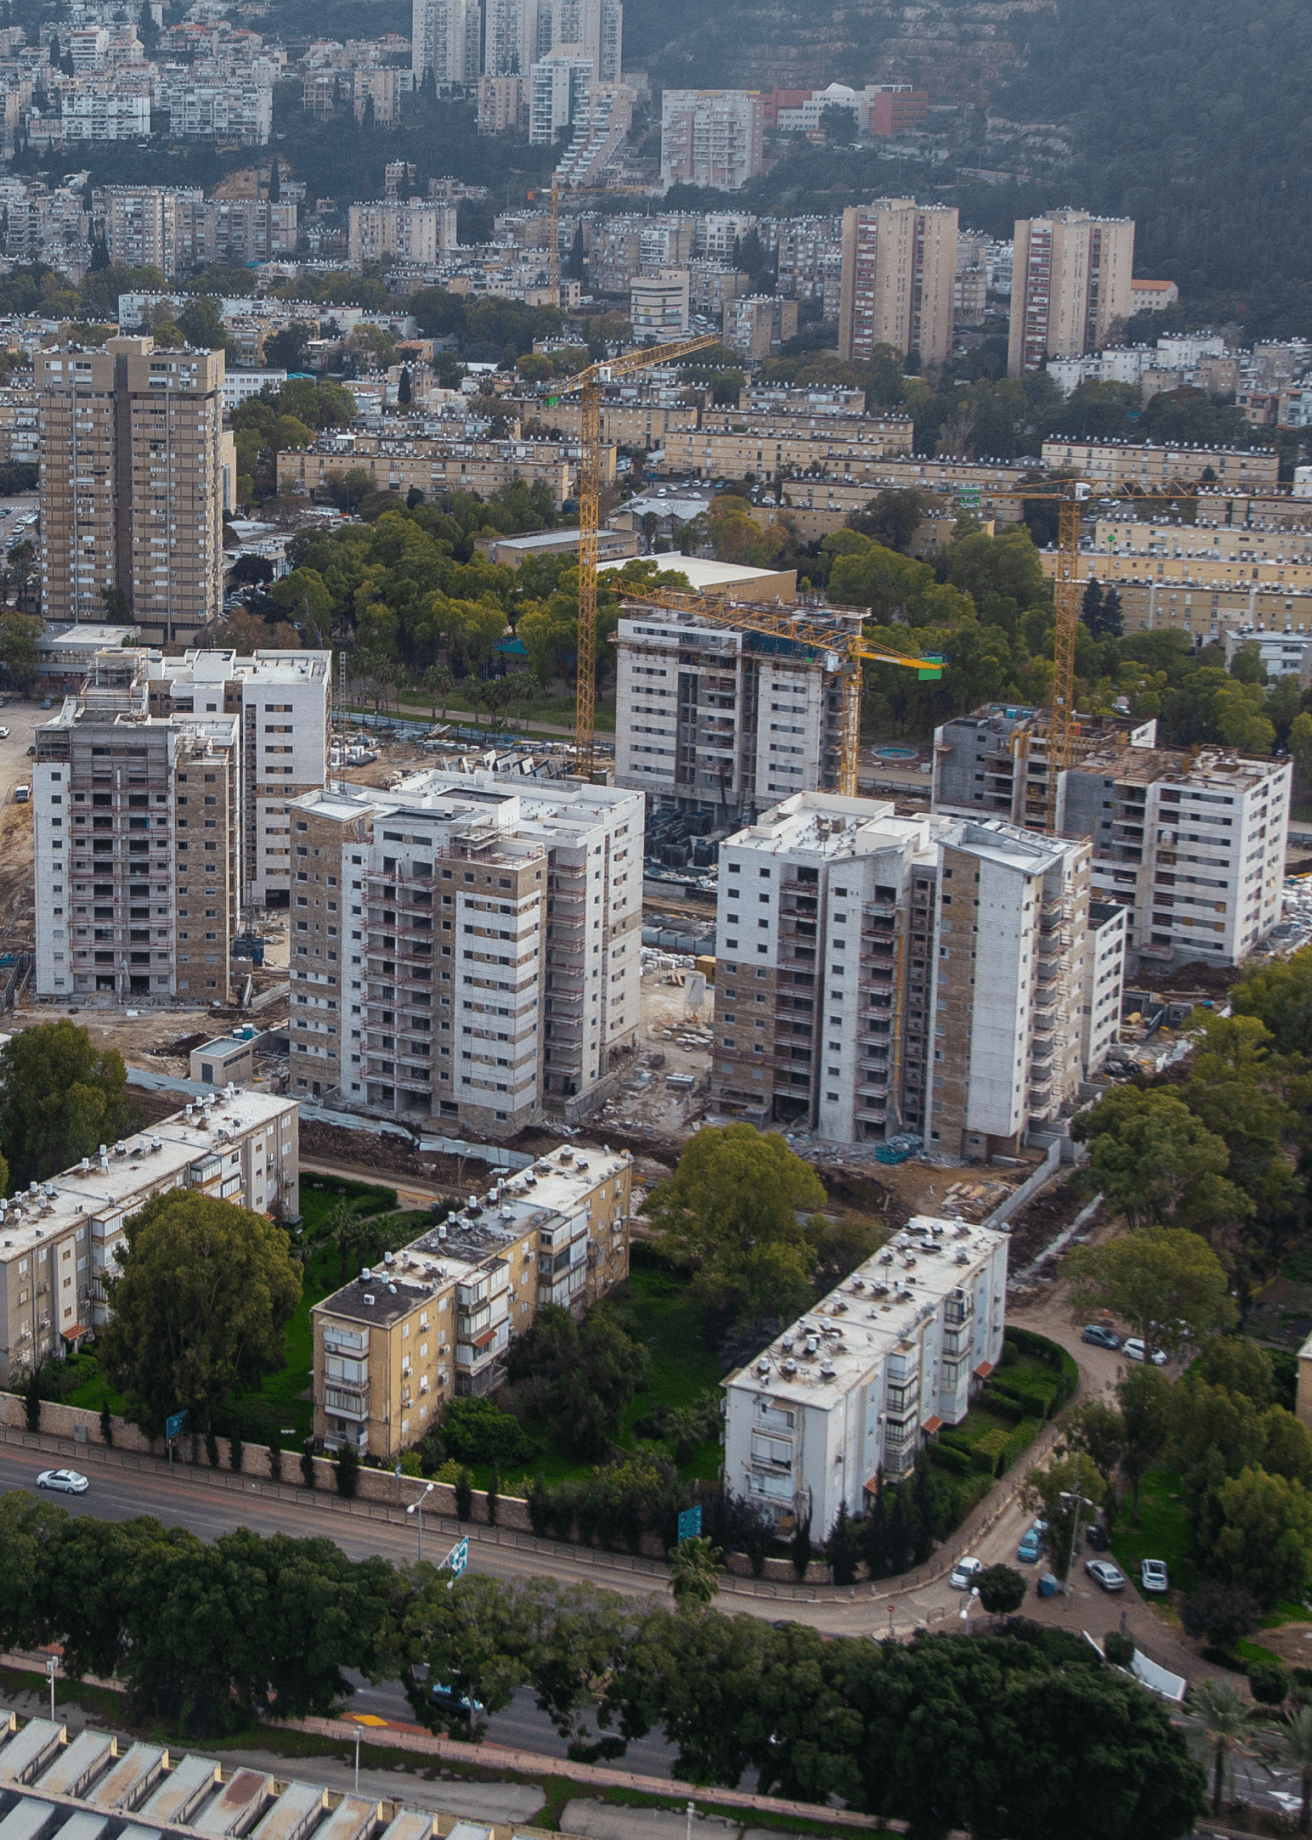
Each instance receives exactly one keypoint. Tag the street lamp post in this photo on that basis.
(417, 1509)
(1081, 1501)
(51, 1665)
(358, 1735)
(972, 1597)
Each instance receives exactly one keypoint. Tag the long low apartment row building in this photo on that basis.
(845, 1399)
(161, 797)
(59, 1238)
(433, 466)
(1190, 845)
(464, 947)
(879, 974)
(436, 1320)
(1126, 463)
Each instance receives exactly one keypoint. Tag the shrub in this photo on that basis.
(844, 1547)
(1269, 1683)
(799, 1547)
(1118, 1648)
(1001, 1589)
(1019, 1442)
(987, 1453)
(1220, 1614)
(106, 1424)
(275, 1462)
(348, 1471)
(307, 1463)
(948, 1457)
(32, 1401)
(539, 1503)
(212, 1449)
(477, 1431)
(236, 1452)
(1004, 1405)
(464, 1495)
(493, 1495)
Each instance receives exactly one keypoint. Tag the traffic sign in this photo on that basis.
(457, 1559)
(690, 1523)
(173, 1425)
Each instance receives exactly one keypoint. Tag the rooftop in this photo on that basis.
(106, 1184)
(701, 571)
(512, 806)
(1210, 769)
(877, 1307)
(840, 829)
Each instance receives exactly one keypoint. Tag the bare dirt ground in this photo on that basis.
(672, 1039)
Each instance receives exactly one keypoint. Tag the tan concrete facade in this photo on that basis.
(435, 467)
(437, 1319)
(899, 278)
(131, 484)
(1071, 279)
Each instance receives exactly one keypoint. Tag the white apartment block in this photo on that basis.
(1192, 846)
(436, 1320)
(162, 795)
(58, 1240)
(878, 974)
(854, 1390)
(413, 231)
(1104, 981)
(282, 702)
(711, 137)
(104, 115)
(558, 93)
(706, 715)
(658, 306)
(444, 39)
(219, 111)
(464, 947)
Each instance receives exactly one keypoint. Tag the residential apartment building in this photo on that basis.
(1192, 847)
(899, 276)
(435, 466)
(102, 114)
(1104, 982)
(711, 137)
(879, 974)
(846, 1398)
(993, 763)
(1070, 281)
(436, 1320)
(131, 484)
(137, 846)
(281, 700)
(658, 306)
(413, 231)
(224, 110)
(759, 324)
(706, 715)
(781, 447)
(444, 39)
(58, 1240)
(464, 947)
(1125, 463)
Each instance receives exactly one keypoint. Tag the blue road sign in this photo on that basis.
(690, 1523)
(172, 1426)
(457, 1559)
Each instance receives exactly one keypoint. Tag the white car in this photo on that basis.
(4, 734)
(1134, 1350)
(69, 1480)
(964, 1573)
(1153, 1575)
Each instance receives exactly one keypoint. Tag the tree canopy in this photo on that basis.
(199, 1306)
(60, 1099)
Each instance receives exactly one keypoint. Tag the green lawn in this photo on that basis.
(1163, 1532)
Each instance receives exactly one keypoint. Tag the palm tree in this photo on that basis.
(439, 683)
(1293, 1738)
(526, 688)
(694, 1571)
(1226, 1716)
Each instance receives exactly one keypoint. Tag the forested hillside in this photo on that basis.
(1190, 117)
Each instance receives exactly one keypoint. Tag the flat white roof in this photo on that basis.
(873, 1310)
(702, 571)
(148, 1159)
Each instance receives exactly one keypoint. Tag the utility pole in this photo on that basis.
(417, 1509)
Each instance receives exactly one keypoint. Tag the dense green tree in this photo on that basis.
(730, 1213)
(892, 517)
(1155, 1161)
(199, 1307)
(586, 1376)
(1001, 1588)
(59, 1099)
(1264, 1540)
(1279, 994)
(1067, 1489)
(1165, 1281)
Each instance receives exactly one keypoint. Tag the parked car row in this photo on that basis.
(1133, 1347)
